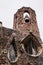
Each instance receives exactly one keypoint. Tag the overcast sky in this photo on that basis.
(9, 7)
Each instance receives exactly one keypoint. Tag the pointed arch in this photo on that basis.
(12, 49)
(32, 46)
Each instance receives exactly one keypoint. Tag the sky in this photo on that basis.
(9, 7)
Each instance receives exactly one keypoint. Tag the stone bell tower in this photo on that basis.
(25, 21)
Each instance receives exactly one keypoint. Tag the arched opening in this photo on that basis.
(26, 16)
(31, 46)
(12, 52)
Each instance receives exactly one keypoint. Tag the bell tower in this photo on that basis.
(25, 21)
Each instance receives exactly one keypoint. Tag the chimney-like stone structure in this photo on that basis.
(1, 32)
(0, 24)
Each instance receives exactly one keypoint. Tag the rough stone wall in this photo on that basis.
(20, 24)
(5, 34)
(15, 36)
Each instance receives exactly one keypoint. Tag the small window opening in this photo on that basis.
(26, 16)
(26, 20)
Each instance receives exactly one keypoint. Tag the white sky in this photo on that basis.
(9, 7)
